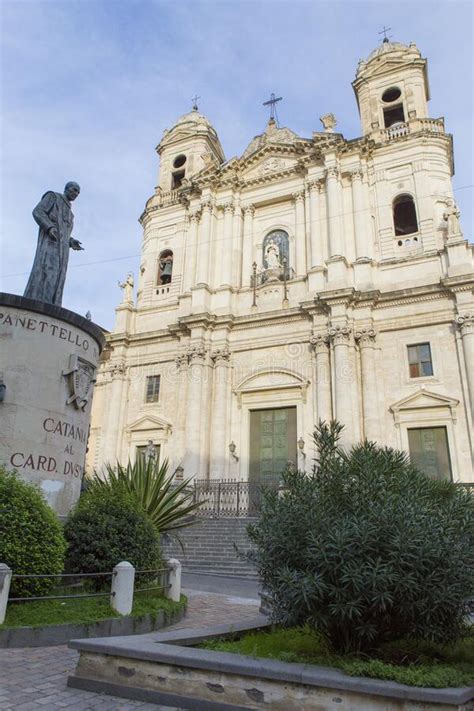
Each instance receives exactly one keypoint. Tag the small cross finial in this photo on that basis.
(195, 105)
(272, 102)
(384, 33)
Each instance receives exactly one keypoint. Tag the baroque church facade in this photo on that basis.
(310, 278)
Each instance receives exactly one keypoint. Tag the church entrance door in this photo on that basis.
(272, 444)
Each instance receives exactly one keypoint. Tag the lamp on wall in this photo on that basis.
(3, 388)
(301, 446)
(232, 448)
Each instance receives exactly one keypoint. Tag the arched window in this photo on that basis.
(404, 216)
(165, 267)
(276, 250)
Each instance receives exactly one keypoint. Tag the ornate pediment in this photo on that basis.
(275, 379)
(423, 400)
(269, 165)
(149, 423)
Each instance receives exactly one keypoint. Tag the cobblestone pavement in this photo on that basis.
(35, 679)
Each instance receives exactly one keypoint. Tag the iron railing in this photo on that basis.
(228, 498)
(160, 573)
(221, 498)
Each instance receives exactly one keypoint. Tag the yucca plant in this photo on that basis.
(169, 505)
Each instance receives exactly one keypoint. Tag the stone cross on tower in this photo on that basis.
(384, 33)
(272, 102)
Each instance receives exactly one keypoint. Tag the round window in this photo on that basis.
(391, 94)
(179, 161)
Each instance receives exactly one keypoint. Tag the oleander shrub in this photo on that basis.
(106, 528)
(31, 537)
(366, 548)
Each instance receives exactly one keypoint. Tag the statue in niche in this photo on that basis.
(150, 452)
(166, 268)
(451, 215)
(273, 256)
(127, 287)
(272, 263)
(55, 219)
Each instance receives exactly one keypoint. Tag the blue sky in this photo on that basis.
(88, 87)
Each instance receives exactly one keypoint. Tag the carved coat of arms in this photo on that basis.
(81, 376)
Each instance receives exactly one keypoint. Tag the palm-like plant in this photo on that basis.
(169, 505)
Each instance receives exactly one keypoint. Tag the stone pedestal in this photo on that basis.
(48, 363)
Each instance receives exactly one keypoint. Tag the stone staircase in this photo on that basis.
(209, 547)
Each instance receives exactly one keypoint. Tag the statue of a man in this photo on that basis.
(55, 219)
(127, 287)
(451, 215)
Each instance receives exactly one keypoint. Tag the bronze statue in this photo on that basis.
(55, 219)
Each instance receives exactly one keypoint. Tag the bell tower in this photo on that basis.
(185, 149)
(391, 86)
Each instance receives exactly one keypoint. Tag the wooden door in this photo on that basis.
(272, 443)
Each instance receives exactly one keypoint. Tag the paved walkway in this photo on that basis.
(35, 679)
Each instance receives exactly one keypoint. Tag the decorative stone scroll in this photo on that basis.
(466, 323)
(118, 369)
(220, 355)
(320, 342)
(196, 354)
(365, 337)
(340, 335)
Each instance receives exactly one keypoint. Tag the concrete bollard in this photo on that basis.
(174, 590)
(5, 580)
(123, 581)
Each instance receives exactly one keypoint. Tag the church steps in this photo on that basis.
(209, 547)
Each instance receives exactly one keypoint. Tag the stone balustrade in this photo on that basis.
(411, 127)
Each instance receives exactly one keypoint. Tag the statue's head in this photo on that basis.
(72, 190)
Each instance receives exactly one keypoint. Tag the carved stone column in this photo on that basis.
(191, 251)
(219, 412)
(110, 436)
(237, 241)
(300, 233)
(196, 356)
(227, 252)
(247, 250)
(466, 326)
(344, 374)
(333, 190)
(320, 345)
(179, 430)
(362, 232)
(316, 258)
(366, 340)
(204, 243)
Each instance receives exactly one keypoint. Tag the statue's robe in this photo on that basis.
(48, 274)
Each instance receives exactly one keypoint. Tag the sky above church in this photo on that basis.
(88, 87)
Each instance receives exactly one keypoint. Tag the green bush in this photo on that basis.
(367, 549)
(31, 537)
(106, 528)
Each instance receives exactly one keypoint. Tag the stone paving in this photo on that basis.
(35, 679)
